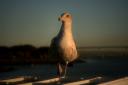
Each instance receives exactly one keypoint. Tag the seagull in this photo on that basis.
(63, 48)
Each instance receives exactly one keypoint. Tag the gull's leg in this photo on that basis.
(65, 70)
(59, 70)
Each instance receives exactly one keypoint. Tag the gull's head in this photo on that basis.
(65, 17)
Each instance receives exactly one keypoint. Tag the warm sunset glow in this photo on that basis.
(95, 22)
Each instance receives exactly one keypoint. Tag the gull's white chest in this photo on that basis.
(66, 41)
(68, 48)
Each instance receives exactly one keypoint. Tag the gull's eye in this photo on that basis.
(67, 15)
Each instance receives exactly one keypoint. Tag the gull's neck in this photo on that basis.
(66, 29)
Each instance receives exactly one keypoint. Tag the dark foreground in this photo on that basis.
(108, 69)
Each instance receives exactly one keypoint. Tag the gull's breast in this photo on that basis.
(68, 49)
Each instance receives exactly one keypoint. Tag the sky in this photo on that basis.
(35, 22)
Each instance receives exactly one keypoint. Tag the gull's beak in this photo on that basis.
(59, 19)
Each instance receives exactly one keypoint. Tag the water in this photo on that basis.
(108, 67)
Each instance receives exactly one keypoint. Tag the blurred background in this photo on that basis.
(35, 22)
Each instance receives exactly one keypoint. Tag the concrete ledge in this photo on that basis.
(13, 80)
(43, 81)
(84, 81)
(122, 81)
